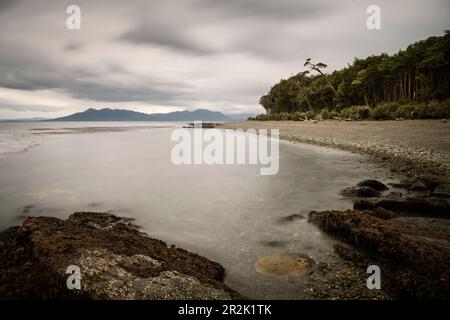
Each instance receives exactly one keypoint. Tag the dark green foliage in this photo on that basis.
(397, 86)
(406, 111)
(385, 111)
(355, 113)
(310, 114)
(433, 110)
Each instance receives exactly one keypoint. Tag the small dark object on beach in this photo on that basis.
(274, 244)
(292, 217)
(204, 125)
(28, 208)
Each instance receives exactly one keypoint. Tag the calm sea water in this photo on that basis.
(226, 213)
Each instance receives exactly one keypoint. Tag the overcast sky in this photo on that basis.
(165, 55)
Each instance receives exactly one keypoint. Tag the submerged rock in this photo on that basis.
(292, 217)
(434, 181)
(363, 192)
(284, 265)
(423, 183)
(274, 243)
(116, 261)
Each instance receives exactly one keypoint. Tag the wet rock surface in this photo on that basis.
(413, 252)
(403, 229)
(433, 207)
(116, 261)
(363, 192)
(406, 233)
(419, 196)
(369, 188)
(374, 184)
(284, 265)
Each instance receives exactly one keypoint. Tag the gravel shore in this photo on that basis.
(411, 147)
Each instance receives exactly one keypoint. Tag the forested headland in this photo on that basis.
(413, 83)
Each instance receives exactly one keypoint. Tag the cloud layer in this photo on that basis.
(166, 55)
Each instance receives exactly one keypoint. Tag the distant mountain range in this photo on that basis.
(127, 115)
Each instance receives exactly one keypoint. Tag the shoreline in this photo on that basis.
(407, 233)
(410, 148)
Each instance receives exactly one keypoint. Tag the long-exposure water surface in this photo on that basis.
(230, 214)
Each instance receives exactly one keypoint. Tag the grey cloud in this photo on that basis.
(180, 40)
(252, 25)
(6, 4)
(229, 51)
(25, 68)
(272, 10)
(73, 46)
(7, 105)
(21, 70)
(166, 35)
(114, 93)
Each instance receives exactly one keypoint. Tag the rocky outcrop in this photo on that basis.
(369, 188)
(116, 261)
(426, 195)
(425, 185)
(406, 232)
(413, 252)
(432, 206)
(374, 184)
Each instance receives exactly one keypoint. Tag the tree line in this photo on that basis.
(417, 75)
